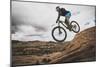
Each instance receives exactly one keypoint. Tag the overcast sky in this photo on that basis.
(34, 21)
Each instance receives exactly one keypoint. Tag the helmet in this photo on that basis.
(57, 8)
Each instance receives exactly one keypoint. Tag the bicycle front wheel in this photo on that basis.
(59, 34)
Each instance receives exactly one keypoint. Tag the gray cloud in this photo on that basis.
(39, 28)
(30, 15)
(17, 21)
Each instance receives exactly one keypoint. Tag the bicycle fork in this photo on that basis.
(59, 29)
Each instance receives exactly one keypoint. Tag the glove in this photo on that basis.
(56, 21)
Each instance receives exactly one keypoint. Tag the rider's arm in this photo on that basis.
(58, 17)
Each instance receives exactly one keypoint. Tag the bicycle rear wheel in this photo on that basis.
(59, 34)
(75, 26)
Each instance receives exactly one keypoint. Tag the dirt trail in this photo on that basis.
(81, 48)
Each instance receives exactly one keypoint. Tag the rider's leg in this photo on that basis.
(67, 17)
(67, 20)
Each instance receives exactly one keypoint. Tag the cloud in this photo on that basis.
(19, 24)
(39, 28)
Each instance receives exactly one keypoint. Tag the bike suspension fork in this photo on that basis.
(59, 28)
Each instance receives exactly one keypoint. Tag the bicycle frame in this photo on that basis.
(61, 22)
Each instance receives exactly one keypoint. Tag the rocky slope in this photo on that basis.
(81, 48)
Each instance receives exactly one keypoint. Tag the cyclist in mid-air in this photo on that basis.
(61, 34)
(63, 12)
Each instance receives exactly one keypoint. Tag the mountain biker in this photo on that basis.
(63, 12)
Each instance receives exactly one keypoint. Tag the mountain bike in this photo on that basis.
(59, 32)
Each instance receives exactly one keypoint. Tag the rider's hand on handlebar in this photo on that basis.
(56, 21)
